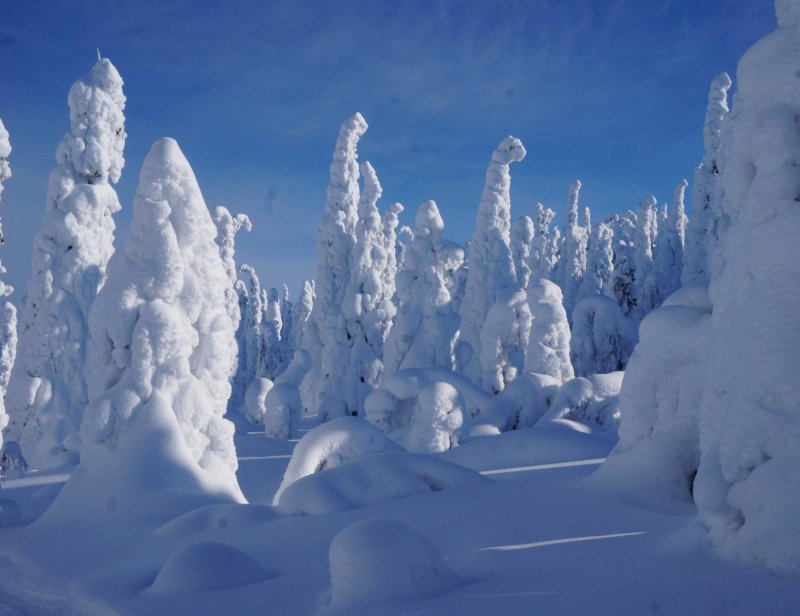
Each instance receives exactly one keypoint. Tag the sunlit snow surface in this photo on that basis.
(540, 535)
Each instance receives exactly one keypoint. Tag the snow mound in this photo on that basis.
(10, 512)
(437, 420)
(331, 444)
(282, 412)
(255, 399)
(521, 404)
(384, 560)
(216, 518)
(373, 479)
(207, 566)
(594, 399)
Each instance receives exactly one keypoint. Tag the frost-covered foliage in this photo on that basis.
(375, 479)
(282, 411)
(437, 419)
(48, 392)
(746, 486)
(376, 560)
(647, 289)
(602, 338)
(594, 399)
(522, 233)
(331, 444)
(328, 342)
(544, 253)
(368, 301)
(548, 346)
(491, 273)
(702, 232)
(572, 265)
(599, 262)
(8, 312)
(623, 280)
(668, 254)
(504, 340)
(162, 341)
(426, 327)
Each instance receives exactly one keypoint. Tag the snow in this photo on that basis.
(373, 479)
(255, 399)
(380, 560)
(437, 419)
(282, 411)
(548, 350)
(593, 400)
(602, 338)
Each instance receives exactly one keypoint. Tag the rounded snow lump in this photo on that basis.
(10, 512)
(207, 566)
(380, 560)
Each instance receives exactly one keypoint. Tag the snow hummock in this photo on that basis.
(384, 560)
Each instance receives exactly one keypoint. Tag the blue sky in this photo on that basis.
(611, 92)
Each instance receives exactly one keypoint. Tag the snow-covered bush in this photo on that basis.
(520, 405)
(48, 391)
(282, 412)
(255, 399)
(375, 479)
(504, 340)
(437, 419)
(159, 356)
(602, 338)
(331, 444)
(491, 273)
(592, 400)
(548, 346)
(382, 560)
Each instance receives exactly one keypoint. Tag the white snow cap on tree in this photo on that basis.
(491, 273)
(702, 231)
(548, 346)
(47, 392)
(159, 356)
(425, 330)
(328, 342)
(746, 485)
(572, 266)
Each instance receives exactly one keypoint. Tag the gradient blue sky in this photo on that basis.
(611, 92)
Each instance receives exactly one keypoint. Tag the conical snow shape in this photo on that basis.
(161, 351)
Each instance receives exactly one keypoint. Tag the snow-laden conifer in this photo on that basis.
(159, 355)
(599, 262)
(228, 226)
(522, 236)
(491, 273)
(668, 254)
(328, 341)
(572, 266)
(548, 346)
(702, 229)
(8, 312)
(48, 392)
(647, 288)
(543, 257)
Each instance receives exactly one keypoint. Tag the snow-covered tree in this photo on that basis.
(668, 254)
(301, 312)
(424, 333)
(160, 349)
(572, 266)
(252, 353)
(228, 226)
(8, 313)
(543, 256)
(328, 341)
(522, 234)
(271, 327)
(548, 346)
(702, 228)
(647, 288)
(504, 340)
(623, 279)
(491, 273)
(599, 262)
(47, 392)
(602, 338)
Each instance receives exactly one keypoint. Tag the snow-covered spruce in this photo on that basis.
(572, 266)
(746, 486)
(702, 232)
(228, 226)
(368, 301)
(647, 289)
(668, 254)
(47, 392)
(491, 273)
(8, 312)
(282, 410)
(522, 234)
(426, 326)
(504, 340)
(437, 419)
(159, 356)
(543, 255)
(273, 361)
(250, 338)
(548, 348)
(599, 262)
(623, 279)
(602, 338)
(255, 399)
(327, 340)
(589, 400)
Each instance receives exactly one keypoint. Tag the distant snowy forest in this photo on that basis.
(420, 343)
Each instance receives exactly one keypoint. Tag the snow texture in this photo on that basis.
(504, 340)
(8, 312)
(374, 479)
(522, 234)
(162, 340)
(602, 338)
(668, 254)
(491, 275)
(48, 391)
(383, 560)
(282, 411)
(331, 444)
(520, 405)
(572, 262)
(255, 399)
(594, 399)
(548, 348)
(437, 419)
